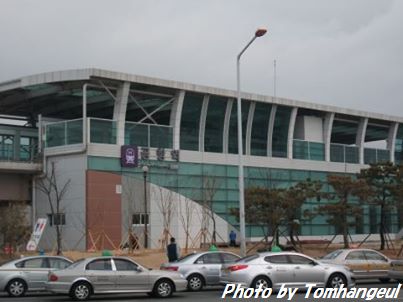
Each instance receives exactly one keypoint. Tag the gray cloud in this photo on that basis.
(344, 53)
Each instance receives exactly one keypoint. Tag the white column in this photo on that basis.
(327, 133)
(202, 123)
(248, 136)
(391, 142)
(175, 120)
(119, 111)
(291, 127)
(227, 120)
(360, 138)
(270, 129)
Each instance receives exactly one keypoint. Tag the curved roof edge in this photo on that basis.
(88, 73)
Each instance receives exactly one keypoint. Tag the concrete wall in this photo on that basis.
(67, 167)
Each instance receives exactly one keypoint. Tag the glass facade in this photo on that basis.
(147, 135)
(260, 128)
(64, 133)
(189, 179)
(399, 145)
(233, 127)
(213, 135)
(149, 108)
(190, 121)
(308, 150)
(344, 154)
(372, 156)
(6, 147)
(103, 131)
(280, 131)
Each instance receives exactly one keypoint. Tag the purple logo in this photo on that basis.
(129, 156)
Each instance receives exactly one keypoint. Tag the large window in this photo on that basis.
(190, 121)
(399, 145)
(280, 131)
(233, 127)
(260, 128)
(213, 135)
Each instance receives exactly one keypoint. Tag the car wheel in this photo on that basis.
(262, 281)
(81, 291)
(384, 280)
(163, 288)
(195, 282)
(336, 280)
(16, 288)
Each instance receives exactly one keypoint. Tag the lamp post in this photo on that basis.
(146, 218)
(259, 32)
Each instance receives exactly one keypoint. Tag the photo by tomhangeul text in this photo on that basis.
(310, 291)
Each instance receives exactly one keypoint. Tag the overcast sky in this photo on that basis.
(338, 52)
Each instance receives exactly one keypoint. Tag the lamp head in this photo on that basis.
(261, 31)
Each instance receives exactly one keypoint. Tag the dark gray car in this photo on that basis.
(201, 268)
(29, 273)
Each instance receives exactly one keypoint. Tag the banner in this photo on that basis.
(36, 235)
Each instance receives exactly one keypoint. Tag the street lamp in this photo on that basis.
(259, 32)
(146, 218)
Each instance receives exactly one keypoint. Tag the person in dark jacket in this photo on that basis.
(232, 238)
(173, 251)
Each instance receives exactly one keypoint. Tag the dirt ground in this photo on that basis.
(153, 258)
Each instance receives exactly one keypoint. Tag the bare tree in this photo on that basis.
(186, 211)
(131, 239)
(167, 209)
(55, 193)
(210, 186)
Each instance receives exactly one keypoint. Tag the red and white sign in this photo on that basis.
(36, 235)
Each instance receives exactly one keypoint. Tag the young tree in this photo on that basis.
(210, 186)
(340, 207)
(167, 207)
(264, 207)
(55, 193)
(292, 201)
(14, 225)
(382, 181)
(186, 213)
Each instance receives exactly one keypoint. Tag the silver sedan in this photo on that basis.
(365, 263)
(271, 270)
(113, 275)
(29, 273)
(201, 268)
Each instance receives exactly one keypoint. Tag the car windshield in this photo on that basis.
(332, 255)
(248, 258)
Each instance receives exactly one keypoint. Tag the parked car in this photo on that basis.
(202, 268)
(113, 275)
(396, 270)
(365, 263)
(271, 270)
(29, 273)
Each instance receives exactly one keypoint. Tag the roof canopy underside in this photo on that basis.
(59, 95)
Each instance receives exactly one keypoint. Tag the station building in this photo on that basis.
(137, 152)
